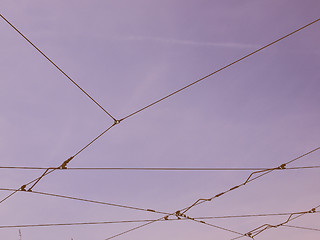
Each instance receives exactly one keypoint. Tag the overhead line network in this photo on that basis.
(118, 121)
(181, 213)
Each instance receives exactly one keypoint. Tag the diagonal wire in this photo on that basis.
(55, 65)
(49, 171)
(226, 66)
(86, 200)
(203, 200)
(299, 227)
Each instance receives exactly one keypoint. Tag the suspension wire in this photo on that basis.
(202, 200)
(86, 200)
(153, 168)
(49, 170)
(56, 66)
(299, 227)
(146, 220)
(225, 67)
(267, 226)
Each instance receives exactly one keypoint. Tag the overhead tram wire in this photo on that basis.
(146, 220)
(153, 168)
(86, 200)
(62, 166)
(203, 200)
(219, 70)
(56, 66)
(300, 227)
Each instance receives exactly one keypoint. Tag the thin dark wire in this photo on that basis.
(56, 66)
(299, 227)
(142, 220)
(238, 60)
(86, 200)
(36, 180)
(155, 169)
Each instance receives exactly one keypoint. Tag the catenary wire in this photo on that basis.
(201, 201)
(225, 67)
(87, 200)
(154, 168)
(300, 227)
(56, 66)
(145, 220)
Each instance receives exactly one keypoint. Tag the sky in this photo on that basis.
(258, 113)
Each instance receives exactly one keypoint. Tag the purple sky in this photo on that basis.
(261, 112)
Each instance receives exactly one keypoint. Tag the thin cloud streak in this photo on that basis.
(190, 42)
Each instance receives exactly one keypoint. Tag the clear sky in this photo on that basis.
(260, 112)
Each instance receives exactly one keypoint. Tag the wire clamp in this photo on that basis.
(64, 164)
(282, 166)
(313, 210)
(23, 187)
(116, 121)
(249, 234)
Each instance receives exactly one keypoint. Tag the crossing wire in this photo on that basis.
(56, 66)
(147, 220)
(173, 93)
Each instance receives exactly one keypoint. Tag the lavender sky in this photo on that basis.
(261, 112)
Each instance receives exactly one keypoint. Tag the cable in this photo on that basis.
(62, 166)
(154, 169)
(226, 66)
(33, 45)
(202, 200)
(86, 200)
(299, 227)
(144, 220)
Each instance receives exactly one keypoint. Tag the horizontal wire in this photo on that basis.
(145, 220)
(154, 168)
(56, 66)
